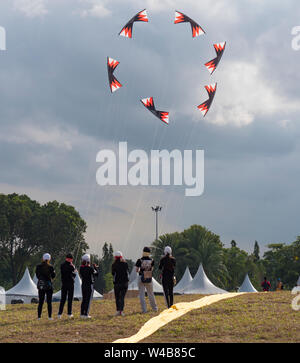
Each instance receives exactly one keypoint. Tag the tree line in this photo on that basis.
(227, 267)
(28, 229)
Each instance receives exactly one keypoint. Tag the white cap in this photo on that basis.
(118, 254)
(86, 257)
(46, 257)
(168, 250)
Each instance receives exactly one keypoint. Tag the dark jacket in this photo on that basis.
(120, 272)
(167, 265)
(67, 273)
(45, 272)
(88, 274)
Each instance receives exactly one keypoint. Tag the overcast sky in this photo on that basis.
(56, 113)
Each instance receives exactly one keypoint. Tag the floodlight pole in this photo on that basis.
(156, 210)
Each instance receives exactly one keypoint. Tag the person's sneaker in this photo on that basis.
(70, 316)
(50, 318)
(117, 313)
(39, 318)
(122, 313)
(58, 316)
(83, 316)
(88, 317)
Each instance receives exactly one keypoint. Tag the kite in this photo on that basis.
(149, 104)
(196, 28)
(127, 29)
(212, 65)
(114, 84)
(205, 106)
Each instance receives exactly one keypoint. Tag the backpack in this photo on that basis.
(146, 269)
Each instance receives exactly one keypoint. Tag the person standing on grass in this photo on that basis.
(266, 285)
(68, 274)
(167, 265)
(87, 274)
(279, 286)
(120, 273)
(45, 274)
(144, 267)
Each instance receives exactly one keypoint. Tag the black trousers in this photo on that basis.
(66, 291)
(120, 292)
(87, 295)
(168, 286)
(42, 294)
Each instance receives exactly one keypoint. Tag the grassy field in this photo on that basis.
(264, 317)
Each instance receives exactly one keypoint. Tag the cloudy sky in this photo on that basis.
(56, 113)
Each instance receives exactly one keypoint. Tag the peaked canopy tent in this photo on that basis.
(25, 289)
(247, 286)
(202, 285)
(184, 282)
(133, 283)
(35, 279)
(77, 291)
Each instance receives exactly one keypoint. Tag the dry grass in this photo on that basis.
(249, 318)
(264, 317)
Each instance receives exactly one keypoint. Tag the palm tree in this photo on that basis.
(199, 245)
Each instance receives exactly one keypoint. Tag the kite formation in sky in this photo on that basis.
(197, 30)
(211, 90)
(149, 104)
(114, 84)
(127, 29)
(212, 65)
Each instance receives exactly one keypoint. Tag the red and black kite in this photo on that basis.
(127, 29)
(149, 104)
(196, 28)
(205, 106)
(212, 65)
(114, 84)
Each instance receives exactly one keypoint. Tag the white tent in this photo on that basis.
(184, 282)
(296, 289)
(202, 285)
(25, 290)
(77, 291)
(133, 283)
(35, 279)
(247, 286)
(133, 275)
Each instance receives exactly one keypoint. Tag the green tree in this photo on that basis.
(107, 257)
(199, 245)
(233, 243)
(108, 278)
(62, 231)
(18, 234)
(104, 267)
(282, 261)
(238, 264)
(256, 251)
(193, 246)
